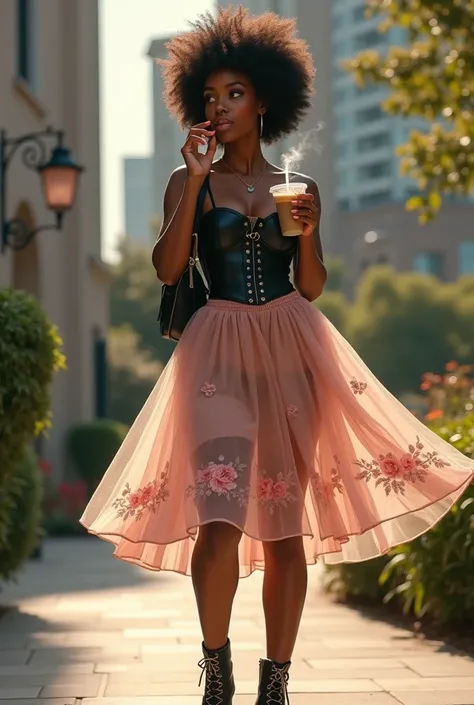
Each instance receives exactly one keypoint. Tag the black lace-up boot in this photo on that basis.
(217, 665)
(273, 685)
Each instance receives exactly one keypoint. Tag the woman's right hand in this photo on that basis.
(199, 164)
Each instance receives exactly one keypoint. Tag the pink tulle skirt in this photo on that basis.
(267, 419)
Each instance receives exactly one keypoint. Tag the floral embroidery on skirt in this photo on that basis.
(276, 442)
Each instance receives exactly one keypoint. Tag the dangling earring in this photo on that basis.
(261, 124)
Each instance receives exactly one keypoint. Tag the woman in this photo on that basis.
(266, 442)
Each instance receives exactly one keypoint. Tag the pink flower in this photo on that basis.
(223, 479)
(390, 466)
(292, 411)
(280, 489)
(147, 493)
(135, 499)
(205, 474)
(265, 488)
(407, 462)
(208, 389)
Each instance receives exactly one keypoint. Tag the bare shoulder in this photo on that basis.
(178, 176)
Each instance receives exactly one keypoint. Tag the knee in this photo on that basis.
(219, 538)
(286, 551)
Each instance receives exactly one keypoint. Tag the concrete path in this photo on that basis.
(89, 629)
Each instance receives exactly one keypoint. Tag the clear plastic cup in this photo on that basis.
(283, 195)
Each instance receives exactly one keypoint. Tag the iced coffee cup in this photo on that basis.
(284, 194)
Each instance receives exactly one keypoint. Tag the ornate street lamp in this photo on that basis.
(59, 177)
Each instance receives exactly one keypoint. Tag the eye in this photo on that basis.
(236, 93)
(209, 99)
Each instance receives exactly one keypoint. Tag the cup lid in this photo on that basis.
(291, 188)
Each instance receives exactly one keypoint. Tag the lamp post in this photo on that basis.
(59, 176)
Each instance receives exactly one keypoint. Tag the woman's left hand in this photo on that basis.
(304, 209)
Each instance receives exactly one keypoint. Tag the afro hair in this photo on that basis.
(265, 48)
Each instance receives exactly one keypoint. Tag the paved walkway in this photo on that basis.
(92, 630)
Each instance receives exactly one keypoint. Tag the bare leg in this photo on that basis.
(215, 574)
(284, 593)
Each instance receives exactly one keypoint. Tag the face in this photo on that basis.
(231, 105)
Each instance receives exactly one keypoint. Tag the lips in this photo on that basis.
(222, 124)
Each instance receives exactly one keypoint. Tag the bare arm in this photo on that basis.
(171, 252)
(310, 272)
(172, 249)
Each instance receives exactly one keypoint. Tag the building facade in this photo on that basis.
(138, 199)
(168, 137)
(49, 76)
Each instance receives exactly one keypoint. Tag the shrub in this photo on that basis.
(92, 447)
(435, 573)
(63, 504)
(20, 514)
(30, 353)
(356, 580)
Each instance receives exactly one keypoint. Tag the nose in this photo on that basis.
(220, 107)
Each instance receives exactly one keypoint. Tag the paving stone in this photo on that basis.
(18, 692)
(29, 670)
(440, 665)
(86, 689)
(425, 684)
(49, 679)
(435, 698)
(14, 657)
(40, 701)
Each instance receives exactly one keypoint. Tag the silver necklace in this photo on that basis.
(250, 187)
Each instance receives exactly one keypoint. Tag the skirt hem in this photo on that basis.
(260, 564)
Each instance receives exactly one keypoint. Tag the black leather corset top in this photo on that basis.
(245, 259)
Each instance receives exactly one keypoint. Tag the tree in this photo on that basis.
(336, 273)
(335, 307)
(135, 299)
(403, 325)
(133, 374)
(432, 78)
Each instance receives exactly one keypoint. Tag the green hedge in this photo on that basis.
(20, 514)
(433, 575)
(30, 353)
(92, 447)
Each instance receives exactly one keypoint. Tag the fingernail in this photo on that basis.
(293, 210)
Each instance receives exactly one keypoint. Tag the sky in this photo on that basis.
(126, 30)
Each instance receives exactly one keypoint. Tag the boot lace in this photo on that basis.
(214, 688)
(277, 688)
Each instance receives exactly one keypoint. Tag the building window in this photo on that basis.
(25, 61)
(369, 114)
(367, 40)
(466, 258)
(343, 204)
(376, 198)
(429, 263)
(376, 170)
(340, 95)
(343, 149)
(359, 13)
(380, 139)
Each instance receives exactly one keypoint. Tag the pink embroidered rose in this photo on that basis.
(390, 466)
(265, 488)
(205, 474)
(135, 499)
(280, 489)
(407, 462)
(223, 479)
(292, 411)
(147, 494)
(208, 389)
